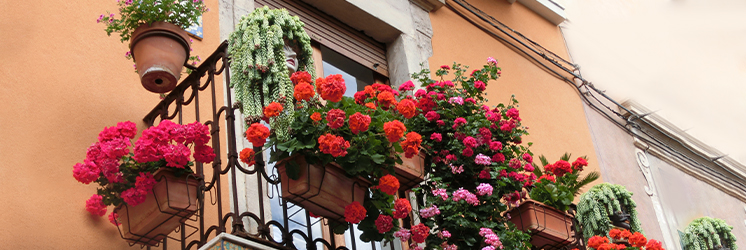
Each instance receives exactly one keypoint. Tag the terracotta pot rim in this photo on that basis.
(334, 164)
(529, 200)
(160, 29)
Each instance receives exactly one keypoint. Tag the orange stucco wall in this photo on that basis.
(62, 80)
(551, 108)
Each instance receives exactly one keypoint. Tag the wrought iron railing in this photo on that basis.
(294, 229)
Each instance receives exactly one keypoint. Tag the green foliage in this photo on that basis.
(259, 74)
(132, 14)
(603, 200)
(560, 193)
(708, 233)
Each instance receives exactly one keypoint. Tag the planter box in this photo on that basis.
(322, 190)
(171, 202)
(411, 172)
(550, 228)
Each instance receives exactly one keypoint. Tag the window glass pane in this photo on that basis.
(355, 75)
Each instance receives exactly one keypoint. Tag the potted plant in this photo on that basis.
(266, 47)
(337, 148)
(551, 195)
(151, 183)
(158, 43)
(605, 206)
(623, 240)
(474, 161)
(709, 233)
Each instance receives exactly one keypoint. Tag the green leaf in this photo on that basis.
(377, 158)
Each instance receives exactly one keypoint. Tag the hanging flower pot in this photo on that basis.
(160, 50)
(549, 227)
(411, 172)
(171, 202)
(321, 190)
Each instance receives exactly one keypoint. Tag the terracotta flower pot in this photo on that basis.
(550, 228)
(322, 190)
(172, 201)
(411, 172)
(160, 51)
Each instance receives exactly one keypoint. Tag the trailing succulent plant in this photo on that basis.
(602, 201)
(708, 233)
(259, 73)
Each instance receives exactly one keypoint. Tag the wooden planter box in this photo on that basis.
(411, 172)
(322, 190)
(171, 202)
(549, 227)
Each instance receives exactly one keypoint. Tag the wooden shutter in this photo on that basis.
(335, 35)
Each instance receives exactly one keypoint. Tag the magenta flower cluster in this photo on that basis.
(491, 239)
(106, 159)
(429, 212)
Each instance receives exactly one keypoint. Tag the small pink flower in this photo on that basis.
(114, 219)
(429, 212)
(456, 99)
(407, 86)
(484, 189)
(441, 192)
(457, 170)
(403, 234)
(479, 85)
(491, 60)
(470, 142)
(101, 17)
(496, 146)
(482, 160)
(446, 67)
(95, 205)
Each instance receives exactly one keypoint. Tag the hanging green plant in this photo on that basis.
(709, 233)
(259, 63)
(602, 202)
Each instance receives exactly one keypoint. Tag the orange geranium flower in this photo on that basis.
(273, 109)
(394, 130)
(402, 208)
(370, 105)
(638, 240)
(300, 77)
(257, 134)
(332, 88)
(303, 91)
(388, 184)
(407, 108)
(359, 122)
(247, 156)
(316, 116)
(597, 241)
(615, 233)
(411, 144)
(386, 99)
(354, 213)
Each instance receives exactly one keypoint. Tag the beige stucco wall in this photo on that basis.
(63, 81)
(550, 107)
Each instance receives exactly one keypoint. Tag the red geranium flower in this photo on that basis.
(420, 233)
(300, 77)
(411, 144)
(484, 174)
(394, 130)
(654, 245)
(384, 223)
(547, 177)
(332, 88)
(273, 109)
(335, 118)
(402, 208)
(354, 213)
(333, 145)
(247, 156)
(388, 184)
(407, 108)
(560, 168)
(257, 134)
(359, 122)
(579, 164)
(637, 240)
(596, 241)
(360, 97)
(303, 91)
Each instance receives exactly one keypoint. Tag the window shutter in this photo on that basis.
(335, 35)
